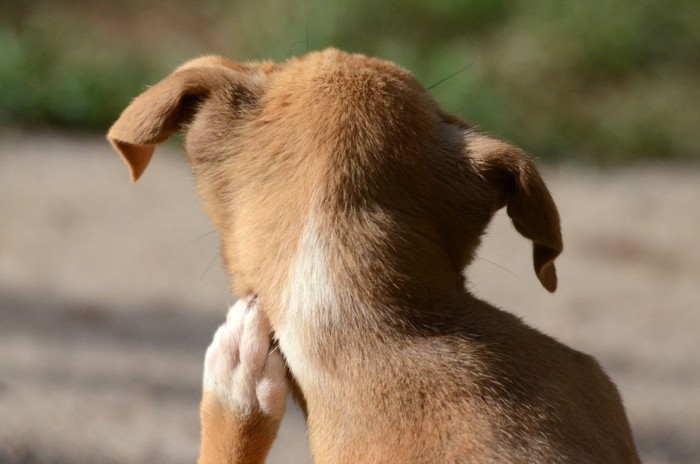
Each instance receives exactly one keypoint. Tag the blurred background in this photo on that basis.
(109, 293)
(599, 81)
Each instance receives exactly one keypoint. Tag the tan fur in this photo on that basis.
(351, 204)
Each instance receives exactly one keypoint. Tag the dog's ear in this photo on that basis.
(528, 202)
(161, 110)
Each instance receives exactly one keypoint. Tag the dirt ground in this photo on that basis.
(110, 293)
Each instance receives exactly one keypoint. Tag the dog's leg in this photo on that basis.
(244, 389)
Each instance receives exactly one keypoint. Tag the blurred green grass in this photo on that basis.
(597, 81)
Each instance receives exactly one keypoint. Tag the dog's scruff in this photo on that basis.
(349, 204)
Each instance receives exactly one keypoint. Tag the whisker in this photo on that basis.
(450, 76)
(211, 263)
(503, 268)
(201, 237)
(298, 42)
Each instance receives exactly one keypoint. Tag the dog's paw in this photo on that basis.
(241, 370)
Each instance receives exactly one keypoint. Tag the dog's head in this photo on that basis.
(352, 134)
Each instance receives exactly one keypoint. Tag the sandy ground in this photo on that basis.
(110, 292)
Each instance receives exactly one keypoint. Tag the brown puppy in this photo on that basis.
(350, 204)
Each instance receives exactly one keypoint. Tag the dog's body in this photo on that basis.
(350, 205)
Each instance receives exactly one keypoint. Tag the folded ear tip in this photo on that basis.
(136, 157)
(135, 170)
(134, 176)
(548, 276)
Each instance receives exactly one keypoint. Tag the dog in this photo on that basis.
(348, 205)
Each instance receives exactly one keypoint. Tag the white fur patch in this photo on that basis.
(308, 301)
(239, 368)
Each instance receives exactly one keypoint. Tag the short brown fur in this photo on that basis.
(350, 156)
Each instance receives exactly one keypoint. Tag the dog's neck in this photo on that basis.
(350, 287)
(342, 261)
